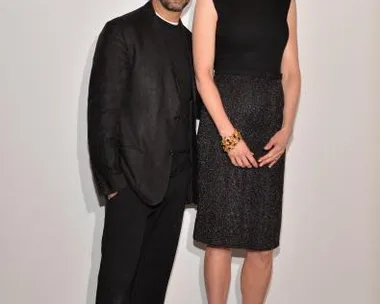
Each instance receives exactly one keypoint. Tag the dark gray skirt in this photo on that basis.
(241, 207)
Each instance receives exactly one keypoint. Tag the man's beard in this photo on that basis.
(174, 5)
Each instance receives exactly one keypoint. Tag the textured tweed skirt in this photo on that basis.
(241, 207)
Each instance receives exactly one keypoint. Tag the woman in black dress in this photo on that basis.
(247, 72)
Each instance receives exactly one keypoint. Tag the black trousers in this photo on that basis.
(140, 242)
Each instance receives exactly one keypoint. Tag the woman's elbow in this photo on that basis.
(202, 79)
(292, 75)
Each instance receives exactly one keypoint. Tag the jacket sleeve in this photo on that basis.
(107, 88)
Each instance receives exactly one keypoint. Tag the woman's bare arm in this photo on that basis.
(204, 32)
(291, 82)
(290, 69)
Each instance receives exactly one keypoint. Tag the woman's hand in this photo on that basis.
(242, 156)
(276, 147)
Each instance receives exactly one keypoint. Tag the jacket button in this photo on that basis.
(176, 117)
(171, 152)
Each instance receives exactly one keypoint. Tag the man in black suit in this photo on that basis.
(141, 131)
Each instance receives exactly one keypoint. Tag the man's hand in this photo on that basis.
(112, 195)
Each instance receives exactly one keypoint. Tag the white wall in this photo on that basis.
(50, 221)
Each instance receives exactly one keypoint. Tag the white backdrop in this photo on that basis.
(50, 221)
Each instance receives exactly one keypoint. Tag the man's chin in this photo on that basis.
(174, 7)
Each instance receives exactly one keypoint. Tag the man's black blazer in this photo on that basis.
(132, 104)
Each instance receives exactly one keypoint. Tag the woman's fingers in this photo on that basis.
(272, 163)
(233, 161)
(246, 162)
(271, 156)
(252, 159)
(244, 158)
(267, 156)
(239, 162)
(274, 159)
(270, 144)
